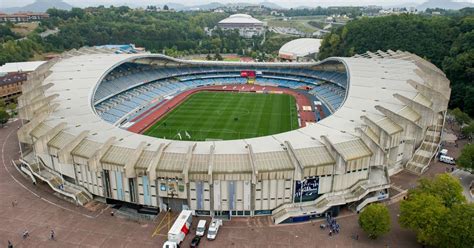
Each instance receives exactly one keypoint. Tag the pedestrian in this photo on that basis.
(25, 234)
(330, 232)
(52, 234)
(13, 204)
(10, 245)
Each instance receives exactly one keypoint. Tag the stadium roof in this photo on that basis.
(240, 18)
(20, 66)
(300, 47)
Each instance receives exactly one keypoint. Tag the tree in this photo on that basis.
(166, 7)
(460, 117)
(457, 228)
(11, 108)
(422, 213)
(430, 206)
(375, 220)
(3, 116)
(469, 129)
(218, 56)
(208, 57)
(443, 186)
(466, 159)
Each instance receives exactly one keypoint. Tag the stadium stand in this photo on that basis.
(130, 88)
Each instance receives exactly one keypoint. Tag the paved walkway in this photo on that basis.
(466, 179)
(39, 211)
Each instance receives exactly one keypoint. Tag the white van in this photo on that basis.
(201, 228)
(447, 159)
(213, 229)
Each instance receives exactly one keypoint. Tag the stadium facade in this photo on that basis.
(245, 24)
(385, 113)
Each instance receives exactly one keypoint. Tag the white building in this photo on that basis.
(20, 66)
(304, 49)
(246, 24)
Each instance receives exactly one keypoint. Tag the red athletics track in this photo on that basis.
(151, 116)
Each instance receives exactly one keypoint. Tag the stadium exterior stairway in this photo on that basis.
(355, 193)
(78, 194)
(422, 157)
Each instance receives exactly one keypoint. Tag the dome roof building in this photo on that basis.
(304, 49)
(245, 24)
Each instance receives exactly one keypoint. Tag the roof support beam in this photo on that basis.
(252, 163)
(27, 111)
(439, 84)
(417, 131)
(396, 117)
(338, 168)
(379, 152)
(41, 144)
(428, 114)
(151, 170)
(438, 99)
(27, 96)
(129, 167)
(187, 163)
(25, 130)
(46, 108)
(64, 154)
(296, 162)
(211, 164)
(94, 160)
(385, 137)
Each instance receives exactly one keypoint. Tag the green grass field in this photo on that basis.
(225, 116)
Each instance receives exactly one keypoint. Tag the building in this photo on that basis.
(23, 17)
(300, 50)
(385, 113)
(12, 76)
(14, 67)
(245, 24)
(10, 86)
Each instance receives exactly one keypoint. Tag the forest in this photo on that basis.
(446, 41)
(173, 33)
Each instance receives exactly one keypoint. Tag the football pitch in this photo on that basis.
(227, 115)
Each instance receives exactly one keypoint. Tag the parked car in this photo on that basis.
(195, 241)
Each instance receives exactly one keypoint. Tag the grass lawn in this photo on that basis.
(227, 115)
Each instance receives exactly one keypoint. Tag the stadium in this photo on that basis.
(291, 140)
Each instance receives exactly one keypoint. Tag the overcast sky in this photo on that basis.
(283, 3)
